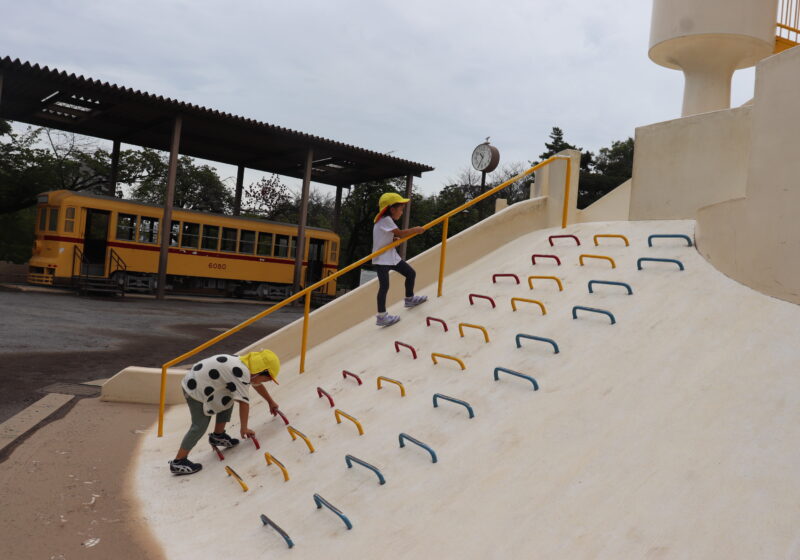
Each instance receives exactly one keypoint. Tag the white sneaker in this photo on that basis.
(414, 301)
(386, 320)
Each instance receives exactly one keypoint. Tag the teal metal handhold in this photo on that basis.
(654, 259)
(497, 371)
(541, 338)
(465, 404)
(610, 283)
(592, 310)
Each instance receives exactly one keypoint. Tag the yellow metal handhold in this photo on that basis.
(437, 355)
(402, 389)
(558, 281)
(238, 478)
(338, 413)
(609, 259)
(610, 235)
(294, 433)
(514, 301)
(273, 461)
(483, 330)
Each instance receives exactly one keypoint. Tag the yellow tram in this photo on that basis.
(96, 236)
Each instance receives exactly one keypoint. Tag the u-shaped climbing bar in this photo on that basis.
(592, 310)
(238, 478)
(273, 461)
(550, 239)
(603, 257)
(349, 459)
(435, 355)
(323, 393)
(404, 437)
(398, 344)
(556, 279)
(338, 414)
(270, 523)
(468, 325)
(345, 373)
(429, 319)
(402, 389)
(465, 404)
(611, 235)
(320, 501)
(296, 433)
(668, 236)
(497, 371)
(496, 276)
(533, 258)
(654, 259)
(283, 417)
(514, 301)
(610, 283)
(473, 296)
(540, 338)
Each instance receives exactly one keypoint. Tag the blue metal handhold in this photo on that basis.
(465, 404)
(418, 442)
(593, 310)
(320, 501)
(532, 337)
(654, 259)
(667, 236)
(349, 459)
(497, 371)
(610, 283)
(270, 523)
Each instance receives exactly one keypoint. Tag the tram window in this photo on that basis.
(229, 240)
(148, 230)
(42, 219)
(281, 245)
(293, 248)
(174, 232)
(247, 240)
(191, 235)
(211, 238)
(334, 251)
(264, 247)
(126, 227)
(53, 225)
(69, 219)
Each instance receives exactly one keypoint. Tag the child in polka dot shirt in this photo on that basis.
(211, 387)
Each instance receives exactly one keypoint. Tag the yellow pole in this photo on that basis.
(305, 333)
(442, 256)
(566, 194)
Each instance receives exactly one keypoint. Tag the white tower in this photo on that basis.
(709, 40)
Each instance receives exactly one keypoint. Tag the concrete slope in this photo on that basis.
(670, 434)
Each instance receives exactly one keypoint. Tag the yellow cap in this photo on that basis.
(258, 362)
(386, 200)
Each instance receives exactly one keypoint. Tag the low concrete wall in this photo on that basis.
(612, 207)
(143, 385)
(682, 165)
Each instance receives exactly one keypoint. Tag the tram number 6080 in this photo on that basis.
(217, 266)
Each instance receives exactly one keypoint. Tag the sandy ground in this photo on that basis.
(65, 489)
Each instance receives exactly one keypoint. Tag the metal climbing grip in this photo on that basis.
(396, 382)
(602, 257)
(550, 239)
(654, 259)
(320, 501)
(610, 283)
(323, 393)
(346, 373)
(404, 437)
(398, 344)
(592, 310)
(556, 279)
(497, 371)
(270, 523)
(668, 236)
(349, 460)
(540, 338)
(429, 319)
(472, 298)
(338, 414)
(296, 433)
(496, 276)
(533, 258)
(273, 461)
(611, 235)
(514, 301)
(465, 404)
(435, 355)
(471, 326)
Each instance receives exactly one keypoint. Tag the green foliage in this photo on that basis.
(16, 235)
(265, 197)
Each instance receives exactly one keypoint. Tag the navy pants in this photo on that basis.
(383, 280)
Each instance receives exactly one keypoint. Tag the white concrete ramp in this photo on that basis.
(671, 434)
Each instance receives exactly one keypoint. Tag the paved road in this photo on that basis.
(47, 338)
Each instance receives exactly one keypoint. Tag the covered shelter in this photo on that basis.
(48, 97)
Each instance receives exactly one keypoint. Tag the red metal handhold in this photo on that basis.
(322, 392)
(345, 373)
(218, 452)
(429, 319)
(473, 296)
(533, 258)
(496, 276)
(255, 441)
(398, 344)
(578, 241)
(282, 415)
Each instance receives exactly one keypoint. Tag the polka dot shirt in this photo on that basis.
(217, 382)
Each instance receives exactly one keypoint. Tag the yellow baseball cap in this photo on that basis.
(261, 361)
(386, 200)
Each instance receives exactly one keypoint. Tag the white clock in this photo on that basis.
(485, 157)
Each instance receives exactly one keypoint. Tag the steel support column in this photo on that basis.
(337, 208)
(112, 185)
(166, 219)
(301, 228)
(237, 201)
(407, 213)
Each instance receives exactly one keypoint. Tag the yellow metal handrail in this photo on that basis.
(306, 292)
(788, 25)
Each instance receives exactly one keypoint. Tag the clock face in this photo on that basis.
(485, 157)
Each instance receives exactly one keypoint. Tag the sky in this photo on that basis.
(424, 80)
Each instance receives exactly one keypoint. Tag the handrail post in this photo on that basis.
(566, 193)
(306, 309)
(442, 256)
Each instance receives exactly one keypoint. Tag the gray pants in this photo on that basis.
(200, 422)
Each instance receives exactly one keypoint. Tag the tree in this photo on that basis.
(264, 197)
(558, 144)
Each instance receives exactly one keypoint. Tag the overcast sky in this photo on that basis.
(426, 80)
